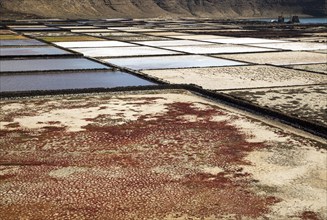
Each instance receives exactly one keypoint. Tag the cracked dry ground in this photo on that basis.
(154, 155)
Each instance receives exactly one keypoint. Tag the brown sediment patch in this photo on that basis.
(309, 215)
(157, 163)
(13, 125)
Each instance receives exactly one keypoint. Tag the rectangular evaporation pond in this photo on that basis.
(244, 40)
(49, 33)
(118, 27)
(48, 65)
(167, 62)
(69, 80)
(70, 38)
(199, 37)
(123, 51)
(295, 46)
(165, 33)
(27, 26)
(114, 34)
(93, 44)
(138, 38)
(61, 23)
(167, 43)
(78, 27)
(218, 49)
(36, 29)
(29, 51)
(91, 30)
(27, 42)
(140, 30)
(101, 34)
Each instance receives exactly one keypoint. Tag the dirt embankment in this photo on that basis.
(159, 8)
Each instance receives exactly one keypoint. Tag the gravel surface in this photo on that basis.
(321, 68)
(307, 102)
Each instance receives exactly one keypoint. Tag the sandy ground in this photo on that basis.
(155, 155)
(238, 77)
(280, 58)
(295, 46)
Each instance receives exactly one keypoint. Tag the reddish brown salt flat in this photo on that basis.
(156, 155)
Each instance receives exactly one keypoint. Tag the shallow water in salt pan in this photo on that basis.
(69, 80)
(167, 62)
(123, 51)
(87, 44)
(28, 51)
(27, 42)
(218, 49)
(48, 64)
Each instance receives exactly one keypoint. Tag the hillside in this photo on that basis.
(159, 8)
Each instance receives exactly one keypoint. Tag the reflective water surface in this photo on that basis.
(28, 51)
(25, 42)
(69, 80)
(48, 64)
(167, 62)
